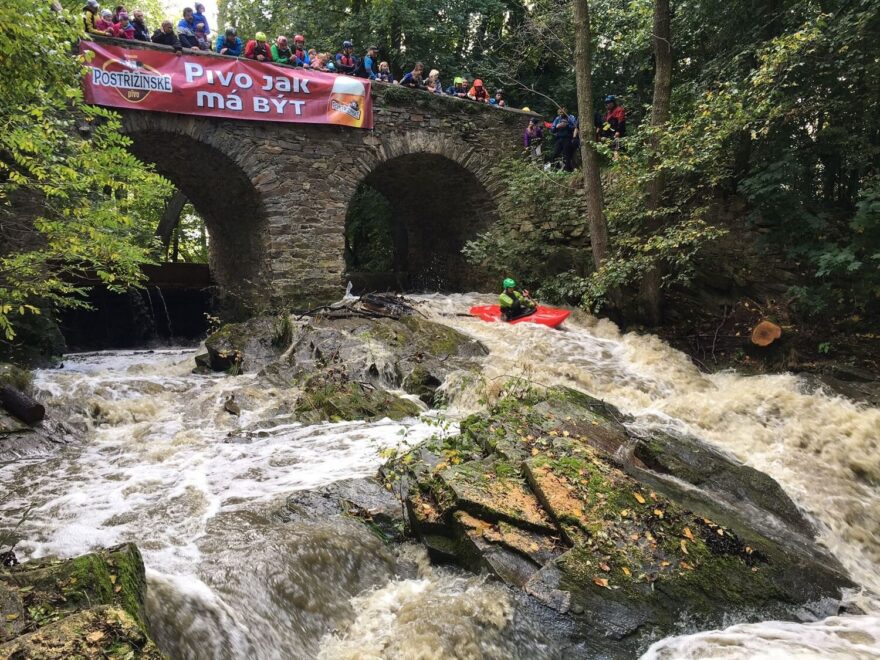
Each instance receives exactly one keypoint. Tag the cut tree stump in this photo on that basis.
(765, 333)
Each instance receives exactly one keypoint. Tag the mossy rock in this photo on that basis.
(18, 378)
(47, 590)
(104, 632)
(248, 346)
(330, 397)
(647, 541)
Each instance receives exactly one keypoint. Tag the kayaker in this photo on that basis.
(513, 302)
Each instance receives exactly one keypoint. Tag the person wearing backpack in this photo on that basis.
(368, 67)
(346, 60)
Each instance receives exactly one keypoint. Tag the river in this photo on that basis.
(197, 488)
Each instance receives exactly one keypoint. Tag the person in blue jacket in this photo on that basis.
(565, 130)
(199, 17)
(229, 43)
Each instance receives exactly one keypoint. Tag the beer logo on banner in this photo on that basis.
(133, 80)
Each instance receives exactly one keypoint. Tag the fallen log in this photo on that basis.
(22, 406)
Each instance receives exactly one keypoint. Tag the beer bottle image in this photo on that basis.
(346, 105)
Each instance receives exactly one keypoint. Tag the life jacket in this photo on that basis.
(262, 48)
(346, 60)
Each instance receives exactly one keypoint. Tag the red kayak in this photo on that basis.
(548, 316)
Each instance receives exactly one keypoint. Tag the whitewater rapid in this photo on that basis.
(164, 465)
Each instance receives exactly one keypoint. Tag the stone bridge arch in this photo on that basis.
(441, 193)
(275, 195)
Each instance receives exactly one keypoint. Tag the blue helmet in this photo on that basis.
(611, 99)
(347, 44)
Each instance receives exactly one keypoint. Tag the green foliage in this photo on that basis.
(539, 213)
(369, 232)
(86, 196)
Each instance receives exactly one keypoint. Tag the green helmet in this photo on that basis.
(509, 283)
(458, 80)
(260, 36)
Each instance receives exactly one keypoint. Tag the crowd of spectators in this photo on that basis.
(193, 31)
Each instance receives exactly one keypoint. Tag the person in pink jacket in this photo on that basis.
(124, 28)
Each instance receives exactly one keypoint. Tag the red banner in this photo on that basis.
(160, 81)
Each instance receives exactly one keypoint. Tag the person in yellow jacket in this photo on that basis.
(513, 302)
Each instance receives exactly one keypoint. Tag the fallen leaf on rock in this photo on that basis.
(639, 498)
(117, 589)
(626, 571)
(653, 495)
(534, 451)
(684, 546)
(658, 513)
(604, 566)
(601, 582)
(11, 617)
(749, 550)
(664, 564)
(688, 533)
(720, 531)
(624, 512)
(96, 636)
(686, 566)
(112, 579)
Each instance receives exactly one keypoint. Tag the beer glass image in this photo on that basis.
(346, 104)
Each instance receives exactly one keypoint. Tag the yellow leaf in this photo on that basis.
(11, 617)
(624, 512)
(112, 579)
(684, 546)
(601, 582)
(686, 566)
(720, 531)
(117, 589)
(749, 550)
(534, 451)
(653, 495)
(688, 533)
(664, 564)
(626, 571)
(96, 636)
(639, 498)
(565, 433)
(658, 513)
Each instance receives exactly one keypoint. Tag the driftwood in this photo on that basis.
(22, 406)
(369, 306)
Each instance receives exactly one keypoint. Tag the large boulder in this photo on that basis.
(52, 607)
(249, 346)
(624, 536)
(410, 353)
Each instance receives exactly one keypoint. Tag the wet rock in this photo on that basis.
(411, 353)
(20, 441)
(329, 396)
(16, 377)
(364, 499)
(249, 346)
(99, 632)
(627, 536)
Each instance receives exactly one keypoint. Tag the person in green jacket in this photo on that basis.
(514, 303)
(281, 53)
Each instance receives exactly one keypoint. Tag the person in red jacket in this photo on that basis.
(258, 49)
(613, 126)
(124, 28)
(478, 92)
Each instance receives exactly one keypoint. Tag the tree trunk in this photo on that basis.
(592, 182)
(651, 295)
(21, 405)
(170, 218)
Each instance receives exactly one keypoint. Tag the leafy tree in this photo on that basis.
(73, 201)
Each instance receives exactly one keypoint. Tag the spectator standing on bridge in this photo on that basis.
(613, 125)
(124, 28)
(384, 74)
(186, 28)
(458, 88)
(346, 60)
(257, 48)
(116, 12)
(228, 43)
(90, 17)
(199, 17)
(141, 31)
(478, 92)
(369, 65)
(301, 57)
(413, 79)
(281, 53)
(202, 37)
(499, 99)
(433, 84)
(105, 24)
(533, 138)
(564, 130)
(166, 36)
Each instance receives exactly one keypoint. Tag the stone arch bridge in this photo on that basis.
(275, 196)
